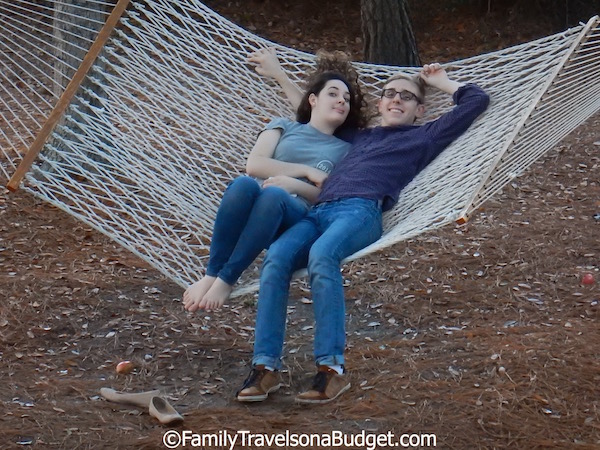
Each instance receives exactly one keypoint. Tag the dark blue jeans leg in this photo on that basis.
(273, 211)
(232, 215)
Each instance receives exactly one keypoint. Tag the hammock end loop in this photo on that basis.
(462, 220)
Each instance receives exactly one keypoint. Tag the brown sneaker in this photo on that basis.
(259, 384)
(327, 386)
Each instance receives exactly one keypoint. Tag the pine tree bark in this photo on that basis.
(76, 24)
(387, 33)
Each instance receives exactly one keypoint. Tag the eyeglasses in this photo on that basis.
(405, 96)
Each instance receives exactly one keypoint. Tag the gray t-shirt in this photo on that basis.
(300, 143)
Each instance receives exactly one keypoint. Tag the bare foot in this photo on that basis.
(192, 297)
(216, 296)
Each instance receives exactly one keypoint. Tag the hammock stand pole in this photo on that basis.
(465, 214)
(67, 96)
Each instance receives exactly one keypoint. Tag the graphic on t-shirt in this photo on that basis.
(325, 165)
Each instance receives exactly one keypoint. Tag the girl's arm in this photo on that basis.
(294, 186)
(268, 65)
(260, 163)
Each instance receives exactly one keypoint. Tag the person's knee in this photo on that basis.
(321, 259)
(279, 258)
(242, 189)
(276, 255)
(270, 206)
(320, 252)
(244, 184)
(273, 197)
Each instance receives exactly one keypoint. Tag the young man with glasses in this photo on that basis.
(347, 218)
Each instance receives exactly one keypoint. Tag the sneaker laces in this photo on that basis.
(254, 375)
(320, 381)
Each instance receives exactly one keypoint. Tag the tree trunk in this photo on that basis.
(76, 23)
(76, 26)
(387, 33)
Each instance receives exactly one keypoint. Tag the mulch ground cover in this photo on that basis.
(483, 334)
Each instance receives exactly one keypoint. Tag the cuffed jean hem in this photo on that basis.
(269, 361)
(334, 360)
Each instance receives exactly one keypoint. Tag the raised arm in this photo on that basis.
(470, 101)
(435, 76)
(267, 64)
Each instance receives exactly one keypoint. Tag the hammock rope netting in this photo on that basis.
(169, 110)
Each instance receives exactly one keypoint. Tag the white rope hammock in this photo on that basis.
(169, 110)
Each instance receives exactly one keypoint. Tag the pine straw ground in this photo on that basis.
(481, 334)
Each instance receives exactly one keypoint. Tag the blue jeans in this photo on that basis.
(329, 233)
(248, 220)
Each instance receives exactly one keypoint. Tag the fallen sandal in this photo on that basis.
(163, 411)
(133, 398)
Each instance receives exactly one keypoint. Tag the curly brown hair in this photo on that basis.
(335, 65)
